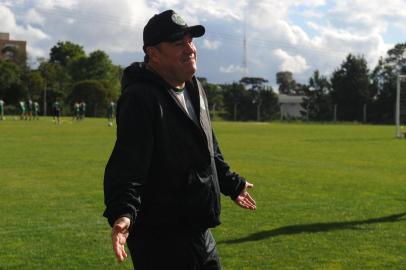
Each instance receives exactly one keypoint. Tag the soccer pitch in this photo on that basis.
(328, 196)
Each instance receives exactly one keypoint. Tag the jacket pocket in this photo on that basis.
(202, 202)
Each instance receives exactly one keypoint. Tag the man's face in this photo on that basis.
(178, 59)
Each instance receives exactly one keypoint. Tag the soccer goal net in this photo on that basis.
(401, 107)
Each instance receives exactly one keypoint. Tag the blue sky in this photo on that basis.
(296, 35)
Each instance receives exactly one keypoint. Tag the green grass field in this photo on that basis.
(329, 196)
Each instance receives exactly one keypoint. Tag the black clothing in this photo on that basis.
(168, 26)
(166, 171)
(56, 109)
(172, 249)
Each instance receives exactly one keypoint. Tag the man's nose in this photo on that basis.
(190, 47)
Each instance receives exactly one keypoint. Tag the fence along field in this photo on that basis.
(329, 196)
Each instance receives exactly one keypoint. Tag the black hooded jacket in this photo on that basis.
(165, 170)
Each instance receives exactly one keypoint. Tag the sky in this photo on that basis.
(300, 36)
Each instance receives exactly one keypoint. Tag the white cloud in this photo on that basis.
(56, 3)
(32, 35)
(358, 30)
(232, 69)
(265, 14)
(295, 64)
(312, 14)
(107, 25)
(33, 17)
(367, 16)
(342, 42)
(165, 3)
(221, 10)
(278, 35)
(211, 45)
(7, 18)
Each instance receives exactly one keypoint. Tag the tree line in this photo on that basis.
(351, 93)
(68, 76)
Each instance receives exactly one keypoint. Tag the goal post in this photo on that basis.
(400, 117)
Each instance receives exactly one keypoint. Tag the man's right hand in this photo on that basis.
(119, 235)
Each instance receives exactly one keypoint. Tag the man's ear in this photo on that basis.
(153, 53)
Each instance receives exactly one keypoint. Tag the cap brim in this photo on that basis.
(197, 31)
(194, 31)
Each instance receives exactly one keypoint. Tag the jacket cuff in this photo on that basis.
(239, 189)
(112, 217)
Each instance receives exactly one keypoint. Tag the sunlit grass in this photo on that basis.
(329, 196)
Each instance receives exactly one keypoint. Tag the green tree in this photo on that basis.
(97, 66)
(233, 97)
(253, 83)
(9, 74)
(286, 82)
(94, 93)
(269, 104)
(243, 105)
(214, 94)
(317, 102)
(351, 88)
(56, 76)
(384, 78)
(57, 83)
(35, 84)
(101, 67)
(12, 89)
(64, 52)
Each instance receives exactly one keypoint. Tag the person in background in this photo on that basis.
(110, 113)
(22, 110)
(56, 108)
(82, 110)
(29, 109)
(36, 110)
(2, 109)
(76, 111)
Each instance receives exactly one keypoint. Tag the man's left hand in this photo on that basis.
(244, 200)
(119, 235)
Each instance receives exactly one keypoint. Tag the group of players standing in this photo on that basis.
(79, 111)
(29, 110)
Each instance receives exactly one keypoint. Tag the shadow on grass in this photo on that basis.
(314, 228)
(349, 140)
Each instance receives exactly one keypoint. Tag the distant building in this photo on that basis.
(290, 106)
(13, 50)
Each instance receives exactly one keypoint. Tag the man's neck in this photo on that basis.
(170, 80)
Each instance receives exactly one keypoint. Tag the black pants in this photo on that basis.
(157, 249)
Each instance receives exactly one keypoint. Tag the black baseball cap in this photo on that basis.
(168, 26)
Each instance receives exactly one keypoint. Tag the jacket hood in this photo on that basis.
(138, 73)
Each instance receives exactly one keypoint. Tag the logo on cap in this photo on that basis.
(177, 19)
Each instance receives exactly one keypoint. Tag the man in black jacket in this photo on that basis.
(163, 180)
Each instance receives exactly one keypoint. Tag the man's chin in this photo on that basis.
(189, 76)
(190, 71)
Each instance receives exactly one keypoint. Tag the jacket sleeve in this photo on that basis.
(231, 184)
(127, 169)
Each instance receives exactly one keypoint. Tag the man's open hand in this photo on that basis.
(119, 235)
(245, 200)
